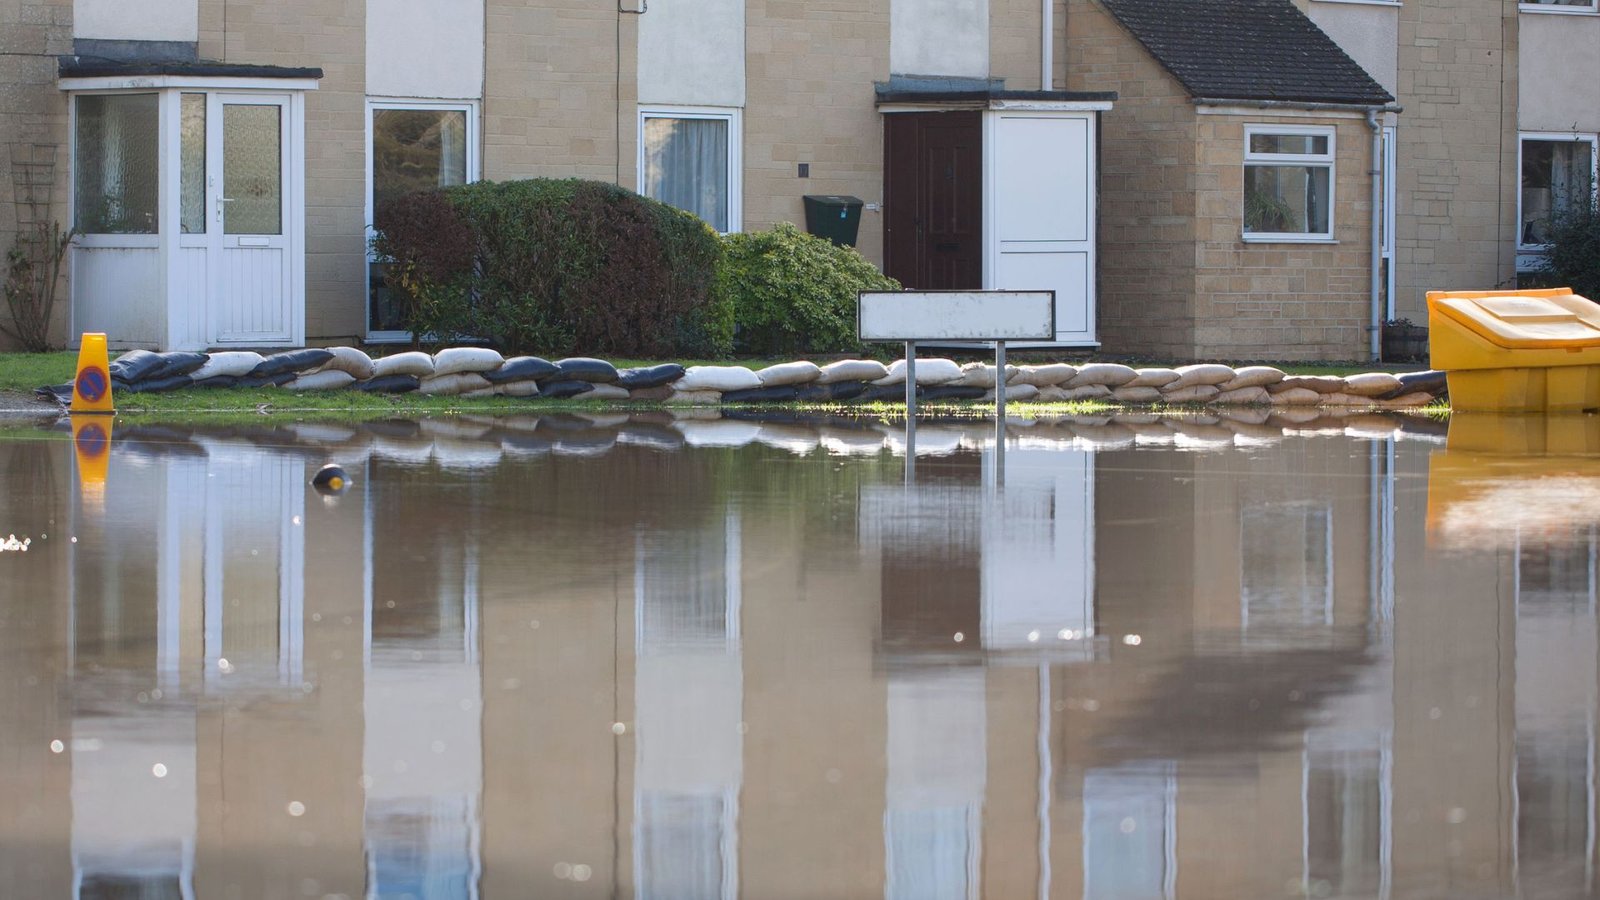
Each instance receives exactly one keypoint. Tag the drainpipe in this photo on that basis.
(1047, 20)
(1375, 328)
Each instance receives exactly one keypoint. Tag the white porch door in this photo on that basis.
(251, 291)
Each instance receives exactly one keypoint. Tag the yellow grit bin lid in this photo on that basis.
(1523, 320)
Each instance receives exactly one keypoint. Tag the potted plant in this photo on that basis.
(1404, 341)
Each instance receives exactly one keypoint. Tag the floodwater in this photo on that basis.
(612, 657)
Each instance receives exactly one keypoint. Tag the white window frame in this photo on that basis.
(474, 173)
(1324, 160)
(734, 116)
(1589, 9)
(1523, 137)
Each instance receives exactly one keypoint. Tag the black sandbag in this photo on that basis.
(60, 393)
(825, 393)
(156, 385)
(948, 392)
(778, 394)
(261, 381)
(649, 376)
(217, 381)
(1431, 381)
(389, 384)
(521, 368)
(585, 368)
(557, 390)
(885, 393)
(135, 365)
(179, 362)
(293, 362)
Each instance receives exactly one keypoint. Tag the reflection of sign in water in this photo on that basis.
(91, 444)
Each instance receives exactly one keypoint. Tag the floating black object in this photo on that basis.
(330, 479)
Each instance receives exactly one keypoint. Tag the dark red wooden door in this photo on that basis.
(933, 199)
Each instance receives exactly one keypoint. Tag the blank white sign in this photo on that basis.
(957, 316)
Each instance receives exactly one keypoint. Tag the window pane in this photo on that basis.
(1289, 143)
(686, 165)
(1286, 199)
(1344, 821)
(417, 150)
(192, 159)
(1554, 174)
(115, 166)
(252, 169)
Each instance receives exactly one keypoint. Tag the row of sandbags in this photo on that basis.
(482, 372)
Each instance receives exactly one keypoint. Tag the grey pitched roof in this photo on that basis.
(1246, 50)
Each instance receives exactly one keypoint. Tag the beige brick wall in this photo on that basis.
(1458, 182)
(33, 111)
(1279, 300)
(809, 72)
(1147, 189)
(1014, 43)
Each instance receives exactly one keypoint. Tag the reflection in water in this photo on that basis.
(712, 657)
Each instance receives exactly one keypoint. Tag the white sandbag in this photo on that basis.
(412, 362)
(1252, 394)
(1087, 392)
(1252, 376)
(228, 362)
(605, 392)
(349, 359)
(453, 384)
(930, 371)
(716, 378)
(1014, 392)
(1343, 399)
(321, 381)
(1132, 394)
(1194, 393)
(1156, 378)
(800, 372)
(1200, 374)
(1051, 394)
(1048, 375)
(1322, 384)
(977, 374)
(492, 390)
(1295, 397)
(694, 398)
(1111, 375)
(466, 359)
(518, 389)
(1371, 384)
(852, 370)
(1406, 401)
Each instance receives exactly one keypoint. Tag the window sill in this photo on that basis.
(1288, 239)
(1544, 9)
(1366, 2)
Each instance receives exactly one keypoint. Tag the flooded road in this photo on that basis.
(602, 656)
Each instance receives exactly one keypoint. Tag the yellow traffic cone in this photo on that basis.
(91, 388)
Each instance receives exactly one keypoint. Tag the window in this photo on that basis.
(689, 158)
(1558, 6)
(114, 166)
(1286, 575)
(1345, 818)
(1130, 833)
(412, 146)
(1288, 183)
(1557, 170)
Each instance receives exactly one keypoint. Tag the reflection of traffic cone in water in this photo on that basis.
(91, 387)
(91, 444)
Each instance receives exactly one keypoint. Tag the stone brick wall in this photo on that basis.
(32, 110)
(809, 69)
(1279, 300)
(1458, 180)
(1146, 279)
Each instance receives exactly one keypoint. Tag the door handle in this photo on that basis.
(946, 245)
(220, 207)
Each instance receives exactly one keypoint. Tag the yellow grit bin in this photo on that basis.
(1516, 351)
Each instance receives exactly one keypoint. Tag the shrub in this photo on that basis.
(792, 292)
(430, 250)
(565, 266)
(1574, 249)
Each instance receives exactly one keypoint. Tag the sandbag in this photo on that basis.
(1252, 376)
(261, 381)
(518, 389)
(134, 365)
(1238, 396)
(389, 384)
(456, 360)
(1370, 384)
(227, 362)
(933, 370)
(1141, 394)
(650, 376)
(1405, 401)
(452, 384)
(781, 393)
(1295, 397)
(585, 368)
(953, 392)
(1322, 384)
(520, 368)
(178, 362)
(349, 359)
(1199, 374)
(1344, 399)
(1051, 394)
(1050, 375)
(606, 392)
(1194, 393)
(716, 378)
(1018, 392)
(1431, 382)
(695, 398)
(215, 381)
(977, 374)
(852, 370)
(799, 372)
(1156, 378)
(837, 392)
(326, 380)
(655, 392)
(1111, 375)
(884, 393)
(155, 385)
(561, 390)
(295, 361)
(1085, 392)
(412, 362)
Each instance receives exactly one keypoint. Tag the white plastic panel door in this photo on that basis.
(249, 191)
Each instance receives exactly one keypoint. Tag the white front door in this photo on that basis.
(251, 291)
